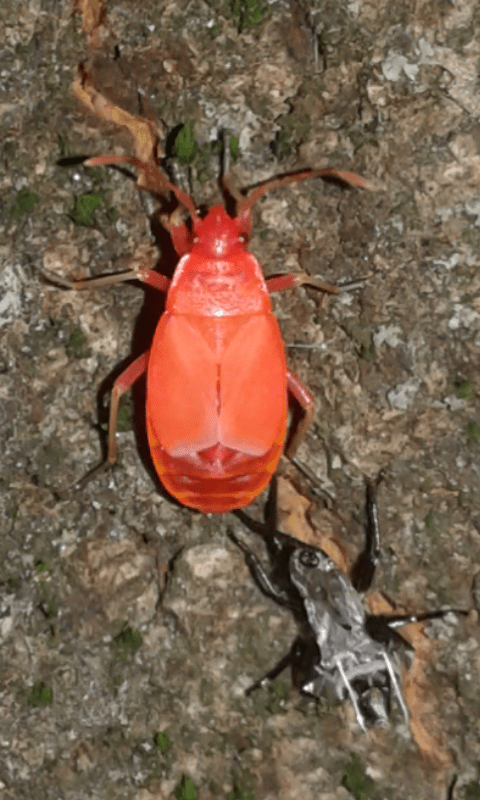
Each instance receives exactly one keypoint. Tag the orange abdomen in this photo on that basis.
(216, 407)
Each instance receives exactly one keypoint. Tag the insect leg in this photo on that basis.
(142, 272)
(272, 674)
(364, 568)
(182, 238)
(279, 545)
(259, 574)
(90, 283)
(358, 714)
(305, 398)
(396, 687)
(149, 277)
(281, 283)
(395, 621)
(122, 383)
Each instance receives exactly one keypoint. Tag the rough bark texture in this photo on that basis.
(104, 645)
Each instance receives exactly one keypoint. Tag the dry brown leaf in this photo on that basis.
(292, 509)
(144, 131)
(93, 19)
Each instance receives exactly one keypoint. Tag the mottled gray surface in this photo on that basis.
(393, 95)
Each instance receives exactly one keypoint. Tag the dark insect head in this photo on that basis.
(308, 558)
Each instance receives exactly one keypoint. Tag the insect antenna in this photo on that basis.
(227, 181)
(244, 211)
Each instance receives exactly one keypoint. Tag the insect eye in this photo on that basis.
(308, 558)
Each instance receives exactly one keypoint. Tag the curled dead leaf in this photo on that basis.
(145, 132)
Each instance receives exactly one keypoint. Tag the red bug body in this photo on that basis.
(216, 373)
(217, 376)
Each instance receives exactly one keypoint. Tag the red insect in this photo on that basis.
(217, 378)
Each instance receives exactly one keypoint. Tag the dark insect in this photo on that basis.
(341, 651)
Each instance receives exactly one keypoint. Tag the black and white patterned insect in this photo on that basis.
(341, 652)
